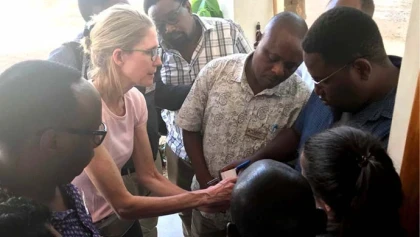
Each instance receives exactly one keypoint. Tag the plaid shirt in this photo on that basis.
(220, 38)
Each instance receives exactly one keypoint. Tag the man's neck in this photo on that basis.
(50, 197)
(41, 192)
(385, 80)
(197, 32)
(251, 78)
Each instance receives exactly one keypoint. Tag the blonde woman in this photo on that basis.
(123, 47)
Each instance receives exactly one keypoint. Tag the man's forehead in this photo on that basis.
(280, 37)
(162, 8)
(315, 64)
(285, 45)
(313, 59)
(345, 3)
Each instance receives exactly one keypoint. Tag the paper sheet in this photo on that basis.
(229, 174)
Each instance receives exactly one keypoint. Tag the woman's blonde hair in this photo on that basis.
(120, 26)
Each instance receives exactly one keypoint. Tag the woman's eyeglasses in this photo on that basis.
(154, 53)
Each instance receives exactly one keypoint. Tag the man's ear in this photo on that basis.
(232, 230)
(363, 67)
(187, 5)
(48, 141)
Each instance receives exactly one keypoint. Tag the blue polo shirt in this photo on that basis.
(375, 118)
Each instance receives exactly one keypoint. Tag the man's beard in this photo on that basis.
(177, 39)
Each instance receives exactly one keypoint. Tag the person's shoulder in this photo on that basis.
(219, 23)
(233, 58)
(136, 105)
(298, 85)
(71, 191)
(230, 61)
(388, 104)
(135, 96)
(213, 20)
(69, 53)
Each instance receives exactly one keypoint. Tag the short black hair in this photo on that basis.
(272, 199)
(34, 95)
(86, 7)
(352, 173)
(149, 3)
(289, 21)
(344, 34)
(368, 6)
(23, 217)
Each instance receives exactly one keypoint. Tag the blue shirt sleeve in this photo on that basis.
(300, 121)
(66, 54)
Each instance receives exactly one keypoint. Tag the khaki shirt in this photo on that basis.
(234, 122)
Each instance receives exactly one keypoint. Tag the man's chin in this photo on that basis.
(176, 42)
(274, 82)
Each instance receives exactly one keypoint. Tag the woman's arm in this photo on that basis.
(106, 177)
(146, 172)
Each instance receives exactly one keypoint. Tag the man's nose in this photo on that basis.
(169, 28)
(278, 69)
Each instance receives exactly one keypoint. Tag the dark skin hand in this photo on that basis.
(281, 148)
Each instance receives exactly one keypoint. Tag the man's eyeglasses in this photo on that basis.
(328, 77)
(98, 136)
(173, 18)
(332, 74)
(154, 53)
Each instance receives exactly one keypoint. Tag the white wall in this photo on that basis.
(407, 86)
(248, 12)
(227, 8)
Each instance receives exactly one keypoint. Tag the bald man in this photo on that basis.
(238, 104)
(366, 6)
(272, 199)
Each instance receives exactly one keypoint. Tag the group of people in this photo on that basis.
(309, 109)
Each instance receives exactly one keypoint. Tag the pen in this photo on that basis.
(242, 165)
(237, 168)
(274, 128)
(213, 182)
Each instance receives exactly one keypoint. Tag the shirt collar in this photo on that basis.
(279, 90)
(205, 24)
(382, 108)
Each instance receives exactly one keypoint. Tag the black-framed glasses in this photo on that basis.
(98, 136)
(154, 53)
(173, 18)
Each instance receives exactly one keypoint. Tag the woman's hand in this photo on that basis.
(221, 192)
(215, 208)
